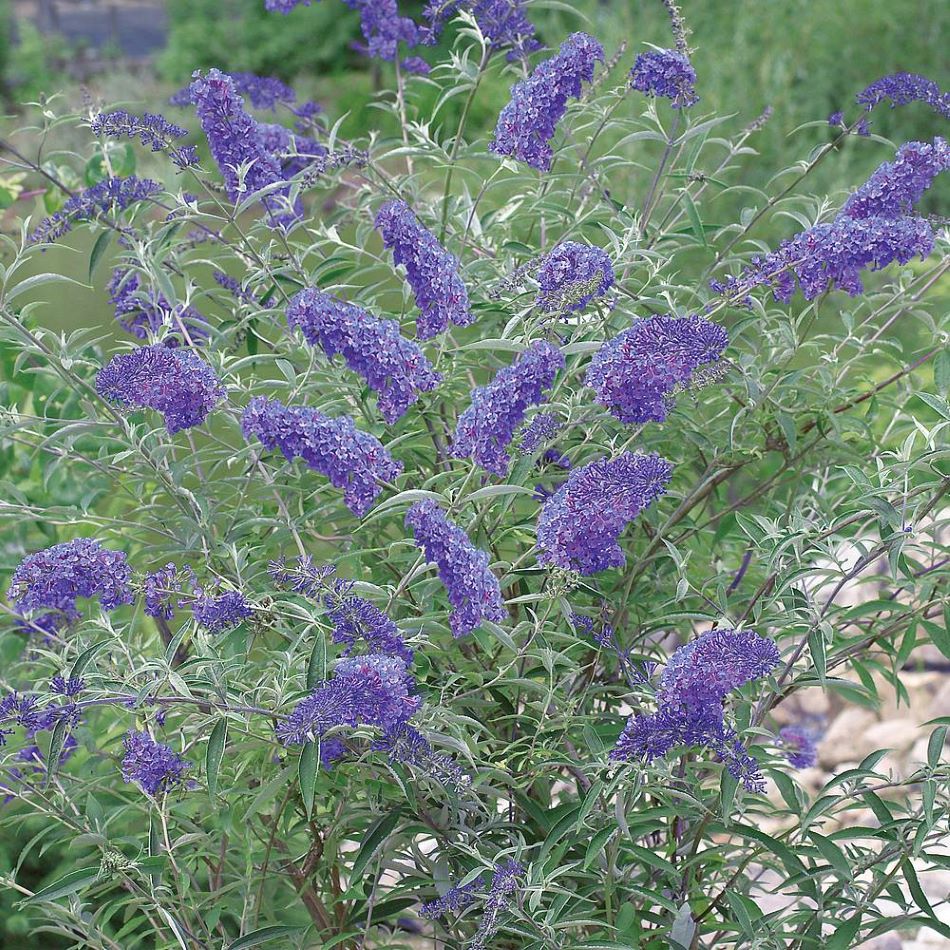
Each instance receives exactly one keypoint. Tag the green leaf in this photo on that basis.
(38, 280)
(843, 937)
(214, 754)
(942, 372)
(597, 844)
(307, 773)
(257, 937)
(317, 667)
(85, 658)
(98, 249)
(373, 841)
(67, 884)
(935, 746)
(57, 740)
(695, 221)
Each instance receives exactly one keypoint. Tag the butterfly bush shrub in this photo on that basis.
(446, 537)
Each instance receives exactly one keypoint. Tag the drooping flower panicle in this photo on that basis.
(503, 23)
(53, 580)
(495, 895)
(573, 275)
(153, 766)
(872, 230)
(694, 686)
(432, 272)
(238, 143)
(472, 588)
(109, 196)
(895, 187)
(665, 74)
(486, 428)
(637, 372)
(899, 89)
(580, 524)
(151, 129)
(527, 124)
(371, 690)
(353, 460)
(220, 612)
(174, 382)
(393, 367)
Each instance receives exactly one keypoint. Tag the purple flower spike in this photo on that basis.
(527, 124)
(694, 686)
(899, 89)
(217, 613)
(383, 28)
(666, 74)
(237, 141)
(372, 690)
(502, 22)
(151, 129)
(109, 196)
(800, 746)
(636, 373)
(473, 590)
(155, 767)
(572, 275)
(432, 272)
(174, 382)
(55, 578)
(872, 230)
(486, 428)
(353, 460)
(896, 187)
(581, 523)
(393, 367)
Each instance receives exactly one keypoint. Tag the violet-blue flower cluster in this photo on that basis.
(109, 196)
(543, 427)
(408, 746)
(581, 523)
(899, 89)
(237, 141)
(353, 618)
(666, 74)
(473, 590)
(871, 231)
(486, 428)
(174, 382)
(573, 275)
(353, 460)
(384, 29)
(220, 612)
(637, 372)
(144, 312)
(527, 124)
(153, 766)
(395, 368)
(694, 686)
(800, 746)
(895, 187)
(162, 592)
(52, 580)
(151, 129)
(371, 690)
(507, 879)
(432, 272)
(502, 22)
